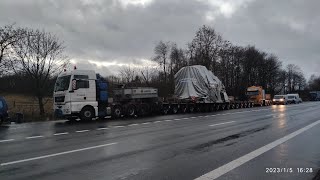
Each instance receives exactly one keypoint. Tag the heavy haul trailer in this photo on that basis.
(198, 106)
(198, 90)
(82, 94)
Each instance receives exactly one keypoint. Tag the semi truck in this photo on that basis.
(258, 96)
(83, 94)
(315, 95)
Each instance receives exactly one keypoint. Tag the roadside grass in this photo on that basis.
(28, 106)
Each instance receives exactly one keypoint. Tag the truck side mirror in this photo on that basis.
(74, 84)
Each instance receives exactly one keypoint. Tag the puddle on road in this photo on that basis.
(207, 145)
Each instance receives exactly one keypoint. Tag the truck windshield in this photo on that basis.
(252, 93)
(278, 97)
(62, 83)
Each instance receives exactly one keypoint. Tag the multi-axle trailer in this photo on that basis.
(82, 94)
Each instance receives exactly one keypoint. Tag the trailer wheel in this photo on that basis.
(228, 107)
(116, 112)
(245, 105)
(217, 107)
(143, 109)
(191, 109)
(165, 110)
(237, 106)
(211, 108)
(131, 110)
(184, 109)
(175, 109)
(87, 113)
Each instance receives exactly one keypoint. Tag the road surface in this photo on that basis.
(276, 142)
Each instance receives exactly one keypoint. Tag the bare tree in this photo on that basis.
(127, 74)
(8, 36)
(295, 78)
(39, 55)
(161, 52)
(204, 48)
(147, 74)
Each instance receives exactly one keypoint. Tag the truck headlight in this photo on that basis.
(281, 100)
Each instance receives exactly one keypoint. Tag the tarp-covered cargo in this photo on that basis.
(197, 82)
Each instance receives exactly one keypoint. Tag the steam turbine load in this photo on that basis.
(198, 83)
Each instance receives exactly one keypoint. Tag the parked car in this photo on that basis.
(294, 99)
(3, 110)
(280, 99)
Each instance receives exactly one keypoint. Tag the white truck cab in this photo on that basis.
(75, 95)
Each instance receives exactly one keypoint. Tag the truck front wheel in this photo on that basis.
(87, 113)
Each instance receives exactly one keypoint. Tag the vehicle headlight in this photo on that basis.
(281, 99)
(273, 100)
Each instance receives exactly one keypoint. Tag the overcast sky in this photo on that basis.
(106, 34)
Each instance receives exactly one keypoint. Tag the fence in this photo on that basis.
(30, 109)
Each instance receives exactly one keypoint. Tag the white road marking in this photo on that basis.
(59, 134)
(168, 120)
(146, 123)
(185, 118)
(238, 162)
(222, 123)
(34, 137)
(102, 129)
(176, 119)
(6, 140)
(56, 154)
(82, 131)
(193, 117)
(118, 126)
(157, 122)
(133, 125)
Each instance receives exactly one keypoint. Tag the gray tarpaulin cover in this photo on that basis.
(198, 82)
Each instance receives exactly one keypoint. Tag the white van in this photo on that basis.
(294, 98)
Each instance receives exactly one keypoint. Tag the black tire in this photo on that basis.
(175, 109)
(191, 109)
(143, 110)
(165, 110)
(131, 110)
(87, 114)
(117, 112)
(211, 108)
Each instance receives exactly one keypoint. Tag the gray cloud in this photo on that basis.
(108, 31)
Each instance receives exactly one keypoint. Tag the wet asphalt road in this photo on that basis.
(166, 147)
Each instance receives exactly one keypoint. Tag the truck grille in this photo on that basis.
(59, 99)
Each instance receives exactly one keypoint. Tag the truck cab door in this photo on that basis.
(80, 90)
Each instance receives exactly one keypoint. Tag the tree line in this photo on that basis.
(236, 66)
